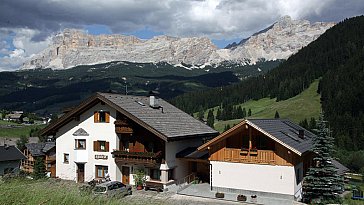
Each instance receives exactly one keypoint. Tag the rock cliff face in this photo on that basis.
(283, 39)
(74, 47)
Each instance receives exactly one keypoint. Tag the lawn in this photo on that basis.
(13, 130)
(56, 191)
(305, 105)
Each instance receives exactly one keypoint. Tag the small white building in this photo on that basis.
(118, 134)
(263, 157)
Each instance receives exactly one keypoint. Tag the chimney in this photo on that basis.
(153, 99)
(301, 134)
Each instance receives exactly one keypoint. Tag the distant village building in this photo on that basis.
(14, 117)
(47, 151)
(119, 135)
(10, 159)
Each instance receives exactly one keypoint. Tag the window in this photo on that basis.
(101, 171)
(101, 116)
(66, 158)
(155, 174)
(101, 146)
(80, 144)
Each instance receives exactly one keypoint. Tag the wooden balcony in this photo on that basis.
(123, 127)
(249, 156)
(146, 158)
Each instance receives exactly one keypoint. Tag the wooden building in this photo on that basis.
(262, 156)
(46, 151)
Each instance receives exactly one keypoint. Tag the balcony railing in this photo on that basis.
(123, 127)
(137, 157)
(249, 156)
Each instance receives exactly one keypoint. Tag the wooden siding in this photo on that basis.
(237, 149)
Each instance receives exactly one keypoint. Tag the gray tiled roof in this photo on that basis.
(341, 169)
(286, 132)
(10, 153)
(48, 146)
(169, 120)
(39, 149)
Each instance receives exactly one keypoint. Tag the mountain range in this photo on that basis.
(279, 41)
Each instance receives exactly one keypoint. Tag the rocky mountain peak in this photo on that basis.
(75, 47)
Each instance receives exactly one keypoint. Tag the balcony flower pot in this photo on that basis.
(219, 195)
(241, 197)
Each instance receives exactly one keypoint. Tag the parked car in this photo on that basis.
(112, 188)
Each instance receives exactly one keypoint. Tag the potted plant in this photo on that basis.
(219, 195)
(241, 197)
(139, 179)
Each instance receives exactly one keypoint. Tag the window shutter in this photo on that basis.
(95, 146)
(96, 117)
(107, 117)
(107, 146)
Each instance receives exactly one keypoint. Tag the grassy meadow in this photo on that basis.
(305, 105)
(60, 192)
(15, 130)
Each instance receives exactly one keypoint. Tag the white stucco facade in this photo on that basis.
(65, 141)
(65, 144)
(255, 177)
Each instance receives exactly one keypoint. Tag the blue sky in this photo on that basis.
(26, 27)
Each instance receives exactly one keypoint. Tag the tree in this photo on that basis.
(276, 115)
(200, 115)
(304, 123)
(239, 112)
(39, 168)
(227, 127)
(322, 181)
(210, 119)
(20, 143)
(312, 125)
(218, 114)
(249, 112)
(244, 112)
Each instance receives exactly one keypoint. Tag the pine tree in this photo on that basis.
(39, 168)
(244, 112)
(312, 125)
(239, 112)
(218, 114)
(249, 112)
(322, 181)
(210, 119)
(227, 127)
(200, 115)
(276, 115)
(304, 124)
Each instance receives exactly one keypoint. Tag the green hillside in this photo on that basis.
(304, 105)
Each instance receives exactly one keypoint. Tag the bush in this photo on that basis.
(241, 197)
(219, 195)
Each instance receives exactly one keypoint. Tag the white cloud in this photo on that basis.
(32, 22)
(23, 47)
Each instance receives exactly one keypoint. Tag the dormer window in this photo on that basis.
(101, 116)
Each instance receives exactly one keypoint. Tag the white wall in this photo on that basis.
(172, 148)
(264, 178)
(97, 131)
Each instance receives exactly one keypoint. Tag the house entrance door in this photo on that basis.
(80, 173)
(126, 174)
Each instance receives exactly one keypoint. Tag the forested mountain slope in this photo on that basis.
(336, 56)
